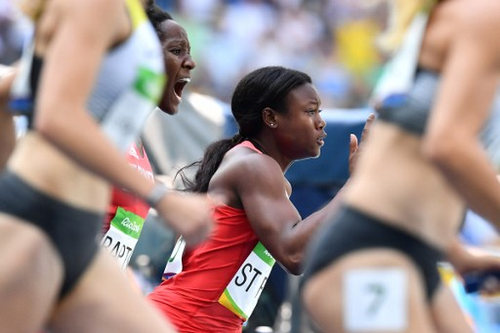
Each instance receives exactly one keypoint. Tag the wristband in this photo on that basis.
(156, 194)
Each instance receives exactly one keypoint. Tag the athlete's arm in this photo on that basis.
(85, 31)
(470, 80)
(7, 75)
(467, 259)
(7, 130)
(260, 185)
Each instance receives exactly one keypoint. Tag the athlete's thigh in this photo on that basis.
(374, 290)
(448, 315)
(104, 300)
(30, 275)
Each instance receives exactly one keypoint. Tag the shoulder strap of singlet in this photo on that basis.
(249, 145)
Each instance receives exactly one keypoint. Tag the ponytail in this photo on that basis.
(208, 165)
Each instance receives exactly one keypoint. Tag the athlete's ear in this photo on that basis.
(269, 117)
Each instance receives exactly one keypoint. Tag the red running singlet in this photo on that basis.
(189, 299)
(120, 198)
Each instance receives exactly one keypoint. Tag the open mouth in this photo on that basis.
(321, 140)
(179, 86)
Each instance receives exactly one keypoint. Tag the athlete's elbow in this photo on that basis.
(293, 269)
(46, 126)
(47, 122)
(439, 150)
(292, 254)
(293, 264)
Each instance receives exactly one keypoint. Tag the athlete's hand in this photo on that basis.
(354, 146)
(481, 267)
(189, 214)
(475, 259)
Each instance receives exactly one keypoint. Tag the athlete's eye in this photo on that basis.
(176, 51)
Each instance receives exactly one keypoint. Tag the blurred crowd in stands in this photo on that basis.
(329, 39)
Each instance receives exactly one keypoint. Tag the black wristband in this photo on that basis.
(156, 194)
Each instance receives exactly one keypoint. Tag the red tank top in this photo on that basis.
(190, 298)
(120, 198)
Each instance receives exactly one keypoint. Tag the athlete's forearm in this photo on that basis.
(301, 234)
(7, 130)
(479, 188)
(81, 139)
(7, 137)
(7, 75)
(466, 259)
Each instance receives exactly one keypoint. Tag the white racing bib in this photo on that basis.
(122, 236)
(375, 300)
(242, 293)
(174, 263)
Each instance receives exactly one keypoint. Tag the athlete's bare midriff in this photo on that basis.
(47, 169)
(41, 164)
(406, 191)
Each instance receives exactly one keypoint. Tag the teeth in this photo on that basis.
(186, 80)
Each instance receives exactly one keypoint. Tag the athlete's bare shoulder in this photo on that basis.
(76, 5)
(477, 24)
(109, 17)
(64, 8)
(480, 18)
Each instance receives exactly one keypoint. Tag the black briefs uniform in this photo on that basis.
(353, 230)
(72, 230)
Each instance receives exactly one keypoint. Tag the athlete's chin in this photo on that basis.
(317, 151)
(174, 105)
(169, 105)
(173, 110)
(313, 154)
(170, 109)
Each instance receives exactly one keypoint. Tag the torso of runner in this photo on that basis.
(126, 214)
